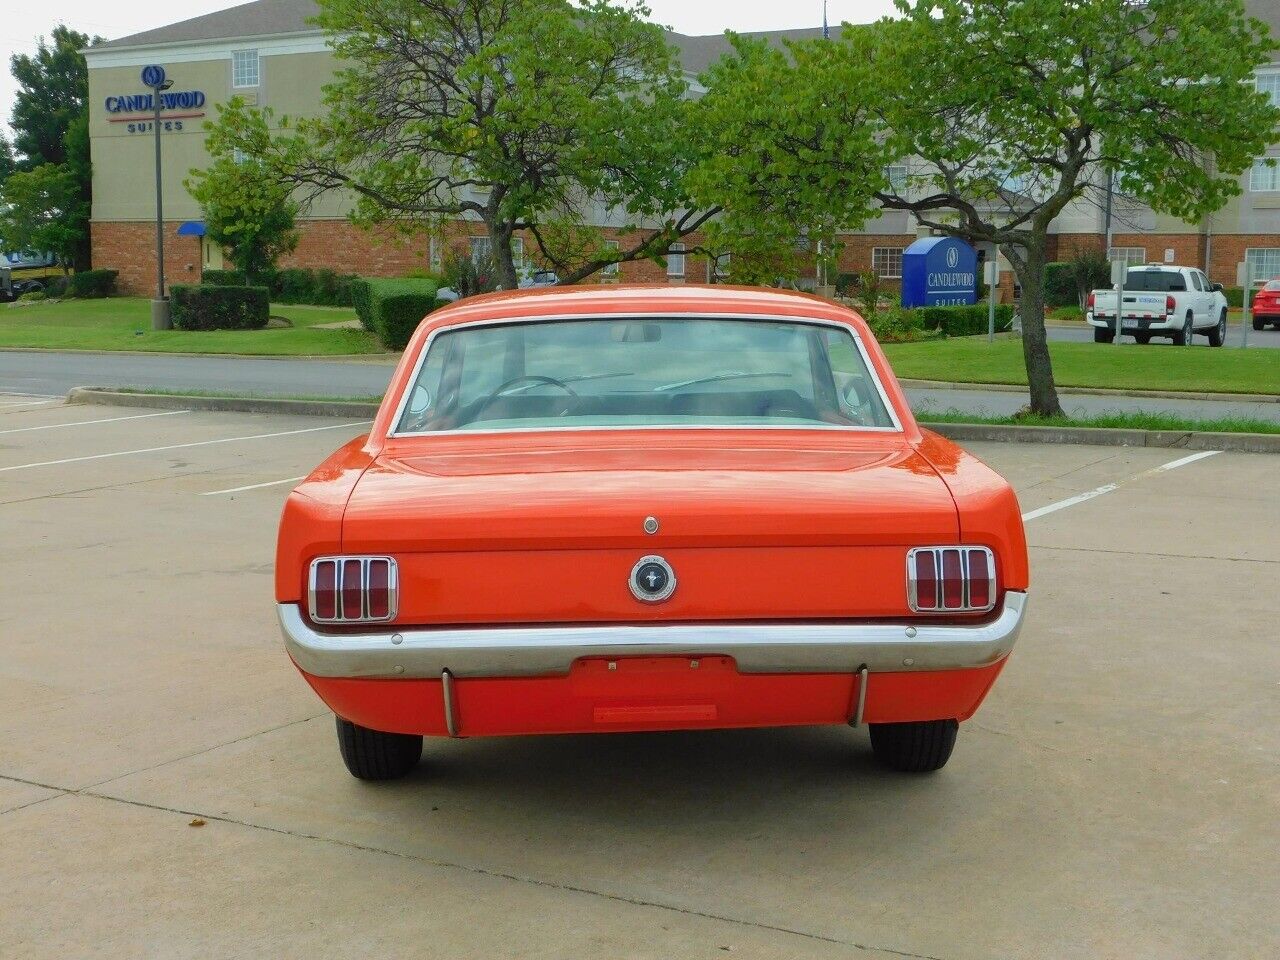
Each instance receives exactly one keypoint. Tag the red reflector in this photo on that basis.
(979, 580)
(325, 591)
(926, 580)
(352, 590)
(379, 594)
(952, 580)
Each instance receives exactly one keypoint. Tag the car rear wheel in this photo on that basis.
(374, 755)
(1102, 336)
(1142, 338)
(1258, 324)
(918, 747)
(1183, 337)
(1218, 335)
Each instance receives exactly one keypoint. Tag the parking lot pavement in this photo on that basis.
(170, 788)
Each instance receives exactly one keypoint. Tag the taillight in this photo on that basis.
(352, 589)
(1093, 298)
(1170, 305)
(951, 579)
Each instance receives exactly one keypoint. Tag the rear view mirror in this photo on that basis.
(638, 333)
(1217, 288)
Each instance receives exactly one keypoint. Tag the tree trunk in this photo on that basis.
(1035, 346)
(503, 261)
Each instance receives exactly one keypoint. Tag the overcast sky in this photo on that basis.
(23, 22)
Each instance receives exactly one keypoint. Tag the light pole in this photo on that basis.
(153, 77)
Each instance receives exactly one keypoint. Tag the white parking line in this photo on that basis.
(31, 403)
(253, 486)
(181, 446)
(1107, 488)
(82, 423)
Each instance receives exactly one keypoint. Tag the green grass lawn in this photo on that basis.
(1114, 421)
(124, 323)
(1127, 367)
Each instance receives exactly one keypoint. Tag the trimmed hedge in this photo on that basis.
(362, 301)
(223, 278)
(321, 288)
(93, 283)
(1234, 295)
(211, 307)
(963, 321)
(396, 307)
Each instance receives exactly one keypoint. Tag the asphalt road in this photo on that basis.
(53, 374)
(171, 788)
(1266, 339)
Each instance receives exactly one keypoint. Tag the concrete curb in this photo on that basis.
(173, 401)
(1097, 436)
(1095, 391)
(1107, 437)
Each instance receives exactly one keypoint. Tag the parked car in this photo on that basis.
(586, 510)
(1162, 301)
(1266, 306)
(539, 278)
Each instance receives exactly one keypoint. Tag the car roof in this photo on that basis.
(632, 299)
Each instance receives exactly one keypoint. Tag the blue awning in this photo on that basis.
(192, 228)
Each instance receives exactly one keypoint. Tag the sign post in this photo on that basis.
(1119, 273)
(991, 271)
(1245, 281)
(153, 77)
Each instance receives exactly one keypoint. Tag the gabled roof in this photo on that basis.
(273, 17)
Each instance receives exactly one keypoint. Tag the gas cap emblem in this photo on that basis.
(652, 580)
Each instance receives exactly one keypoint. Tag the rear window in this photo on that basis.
(1155, 281)
(683, 371)
(1272, 285)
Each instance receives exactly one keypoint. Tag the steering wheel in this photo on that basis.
(530, 379)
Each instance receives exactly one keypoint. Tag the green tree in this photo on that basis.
(7, 163)
(522, 115)
(1158, 94)
(1006, 112)
(43, 209)
(247, 212)
(53, 90)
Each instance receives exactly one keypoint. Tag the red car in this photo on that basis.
(1266, 306)
(615, 509)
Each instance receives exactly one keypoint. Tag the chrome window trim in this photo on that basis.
(403, 403)
(340, 617)
(913, 597)
(397, 652)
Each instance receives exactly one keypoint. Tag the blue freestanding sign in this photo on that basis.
(939, 272)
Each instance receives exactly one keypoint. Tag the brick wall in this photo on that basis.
(130, 247)
(1228, 251)
(1188, 248)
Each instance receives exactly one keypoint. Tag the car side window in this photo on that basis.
(1195, 280)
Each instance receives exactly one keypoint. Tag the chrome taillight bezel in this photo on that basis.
(939, 608)
(340, 613)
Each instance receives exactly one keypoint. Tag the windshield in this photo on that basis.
(1154, 281)
(686, 371)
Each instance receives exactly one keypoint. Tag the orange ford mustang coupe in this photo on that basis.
(594, 510)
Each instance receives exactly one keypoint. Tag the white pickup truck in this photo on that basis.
(1161, 300)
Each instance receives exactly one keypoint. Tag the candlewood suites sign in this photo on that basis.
(138, 109)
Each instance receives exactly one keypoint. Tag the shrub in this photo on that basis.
(32, 295)
(222, 278)
(894, 325)
(57, 286)
(94, 283)
(965, 321)
(846, 284)
(1234, 295)
(321, 288)
(398, 306)
(1060, 286)
(362, 300)
(210, 307)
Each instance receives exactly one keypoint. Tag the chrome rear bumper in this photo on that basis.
(549, 650)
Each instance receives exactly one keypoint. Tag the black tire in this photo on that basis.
(1218, 335)
(1183, 337)
(374, 755)
(1142, 338)
(1258, 324)
(919, 747)
(1102, 335)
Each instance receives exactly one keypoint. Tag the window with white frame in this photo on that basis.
(886, 262)
(720, 266)
(675, 260)
(1133, 256)
(245, 69)
(897, 176)
(1264, 176)
(238, 155)
(1262, 263)
(1269, 83)
(611, 270)
(517, 252)
(481, 250)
